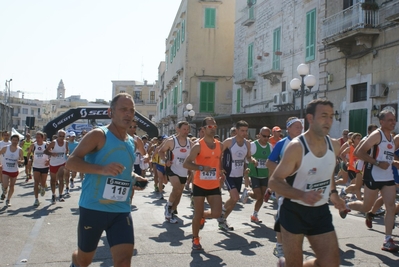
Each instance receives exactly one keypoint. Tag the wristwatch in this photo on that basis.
(200, 167)
(377, 163)
(333, 191)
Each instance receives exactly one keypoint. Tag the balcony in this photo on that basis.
(352, 26)
(272, 75)
(245, 80)
(150, 102)
(248, 16)
(389, 12)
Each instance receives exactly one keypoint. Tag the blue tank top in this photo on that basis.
(72, 146)
(107, 193)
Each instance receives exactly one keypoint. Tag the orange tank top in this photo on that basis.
(208, 157)
(352, 159)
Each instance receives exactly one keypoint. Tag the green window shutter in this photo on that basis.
(180, 91)
(276, 47)
(238, 100)
(161, 106)
(207, 97)
(251, 14)
(310, 35)
(171, 54)
(175, 100)
(178, 40)
(183, 30)
(358, 121)
(210, 17)
(166, 102)
(250, 60)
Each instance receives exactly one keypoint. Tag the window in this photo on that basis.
(359, 92)
(180, 91)
(254, 93)
(175, 100)
(183, 30)
(32, 112)
(348, 3)
(174, 47)
(251, 11)
(310, 35)
(207, 97)
(152, 96)
(137, 95)
(178, 40)
(161, 106)
(238, 100)
(166, 62)
(276, 48)
(24, 111)
(250, 60)
(210, 17)
(171, 54)
(283, 86)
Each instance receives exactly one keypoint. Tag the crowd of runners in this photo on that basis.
(298, 170)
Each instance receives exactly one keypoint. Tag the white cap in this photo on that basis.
(72, 134)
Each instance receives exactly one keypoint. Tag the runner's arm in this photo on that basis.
(189, 161)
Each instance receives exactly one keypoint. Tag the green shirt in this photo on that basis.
(261, 154)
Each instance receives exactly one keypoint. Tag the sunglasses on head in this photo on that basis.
(211, 126)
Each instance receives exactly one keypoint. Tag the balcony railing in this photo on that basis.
(349, 19)
(248, 15)
(389, 12)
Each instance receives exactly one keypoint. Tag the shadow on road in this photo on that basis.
(236, 242)
(201, 258)
(386, 260)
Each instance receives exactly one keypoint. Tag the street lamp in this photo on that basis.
(306, 80)
(189, 113)
(8, 90)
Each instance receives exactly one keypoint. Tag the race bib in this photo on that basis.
(180, 161)
(319, 186)
(116, 189)
(262, 164)
(238, 164)
(208, 175)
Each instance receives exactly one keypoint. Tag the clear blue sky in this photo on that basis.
(86, 43)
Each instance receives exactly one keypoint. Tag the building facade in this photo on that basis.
(198, 63)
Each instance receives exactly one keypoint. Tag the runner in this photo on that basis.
(40, 166)
(378, 175)
(240, 149)
(25, 145)
(72, 144)
(294, 129)
(304, 177)
(276, 136)
(3, 143)
(206, 154)
(260, 150)
(58, 150)
(179, 147)
(160, 167)
(13, 155)
(106, 156)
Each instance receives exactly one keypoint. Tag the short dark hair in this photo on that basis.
(241, 123)
(115, 99)
(207, 119)
(14, 136)
(181, 123)
(384, 112)
(311, 107)
(371, 126)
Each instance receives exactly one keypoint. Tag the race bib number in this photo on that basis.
(208, 175)
(238, 164)
(180, 161)
(116, 189)
(261, 163)
(319, 186)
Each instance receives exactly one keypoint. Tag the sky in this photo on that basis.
(86, 43)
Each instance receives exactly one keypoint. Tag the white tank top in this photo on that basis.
(138, 154)
(384, 151)
(59, 156)
(10, 162)
(314, 173)
(39, 158)
(238, 154)
(180, 153)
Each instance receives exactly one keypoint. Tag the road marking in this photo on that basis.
(27, 249)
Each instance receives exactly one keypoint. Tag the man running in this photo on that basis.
(304, 177)
(179, 147)
(25, 145)
(239, 149)
(13, 155)
(58, 151)
(206, 183)
(3, 143)
(72, 144)
(378, 175)
(106, 156)
(40, 166)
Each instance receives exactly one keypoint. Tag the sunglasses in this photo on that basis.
(61, 136)
(134, 127)
(265, 136)
(211, 126)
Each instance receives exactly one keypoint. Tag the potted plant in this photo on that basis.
(278, 53)
(259, 57)
(370, 5)
(266, 54)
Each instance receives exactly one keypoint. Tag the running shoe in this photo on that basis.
(53, 199)
(389, 245)
(175, 212)
(255, 219)
(344, 212)
(244, 196)
(71, 184)
(8, 204)
(172, 219)
(369, 219)
(196, 244)
(3, 196)
(353, 198)
(281, 262)
(61, 198)
(225, 226)
(380, 212)
(273, 197)
(342, 194)
(202, 223)
(278, 250)
(167, 213)
(156, 189)
(67, 191)
(37, 203)
(42, 191)
(267, 195)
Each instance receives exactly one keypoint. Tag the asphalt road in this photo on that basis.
(46, 235)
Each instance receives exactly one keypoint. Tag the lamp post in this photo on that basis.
(8, 90)
(306, 80)
(189, 113)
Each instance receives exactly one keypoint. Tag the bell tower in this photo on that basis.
(61, 90)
